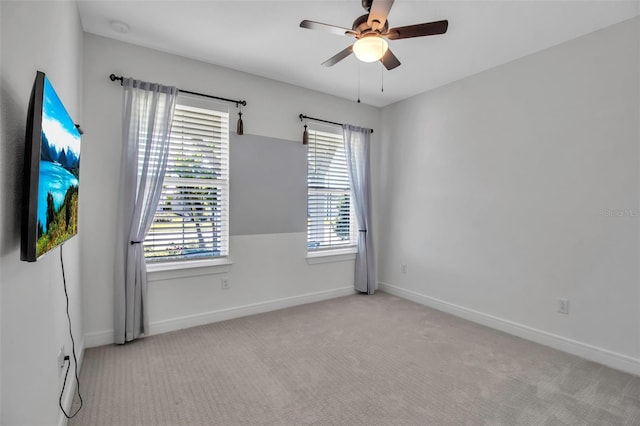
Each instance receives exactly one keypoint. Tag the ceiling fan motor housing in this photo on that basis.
(361, 27)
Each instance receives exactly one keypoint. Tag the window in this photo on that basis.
(330, 215)
(192, 219)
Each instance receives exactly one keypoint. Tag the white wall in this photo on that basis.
(512, 188)
(269, 270)
(44, 36)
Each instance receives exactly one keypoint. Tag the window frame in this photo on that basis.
(338, 252)
(200, 265)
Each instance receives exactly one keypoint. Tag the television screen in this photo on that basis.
(51, 175)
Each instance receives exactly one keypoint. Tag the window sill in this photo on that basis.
(185, 269)
(330, 256)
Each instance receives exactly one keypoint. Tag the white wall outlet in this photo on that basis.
(224, 283)
(403, 268)
(61, 358)
(563, 306)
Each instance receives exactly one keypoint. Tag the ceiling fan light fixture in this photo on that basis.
(370, 49)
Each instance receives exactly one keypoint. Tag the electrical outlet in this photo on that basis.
(563, 306)
(61, 358)
(403, 268)
(224, 283)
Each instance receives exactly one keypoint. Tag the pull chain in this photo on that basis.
(382, 53)
(358, 81)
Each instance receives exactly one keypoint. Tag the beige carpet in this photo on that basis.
(356, 360)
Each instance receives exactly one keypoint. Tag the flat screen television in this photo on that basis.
(51, 173)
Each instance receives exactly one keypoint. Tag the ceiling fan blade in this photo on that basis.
(419, 30)
(338, 57)
(389, 60)
(378, 13)
(319, 26)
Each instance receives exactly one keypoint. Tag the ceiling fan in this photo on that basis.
(371, 30)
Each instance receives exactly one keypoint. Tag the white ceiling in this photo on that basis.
(264, 37)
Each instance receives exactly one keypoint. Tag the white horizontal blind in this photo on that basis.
(330, 218)
(192, 219)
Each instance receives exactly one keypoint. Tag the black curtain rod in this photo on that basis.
(114, 77)
(302, 117)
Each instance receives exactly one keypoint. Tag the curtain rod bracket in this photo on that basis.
(114, 77)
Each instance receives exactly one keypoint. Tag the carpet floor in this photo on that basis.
(355, 360)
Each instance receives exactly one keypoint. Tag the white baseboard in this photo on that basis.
(106, 337)
(67, 398)
(98, 338)
(592, 353)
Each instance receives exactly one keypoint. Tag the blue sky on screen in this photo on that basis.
(56, 123)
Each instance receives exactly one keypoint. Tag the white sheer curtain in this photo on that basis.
(146, 128)
(356, 144)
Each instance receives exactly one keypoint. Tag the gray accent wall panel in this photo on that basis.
(268, 185)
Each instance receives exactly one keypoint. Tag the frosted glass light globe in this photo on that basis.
(370, 49)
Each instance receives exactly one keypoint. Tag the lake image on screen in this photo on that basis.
(59, 173)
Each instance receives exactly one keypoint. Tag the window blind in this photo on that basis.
(330, 217)
(192, 218)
